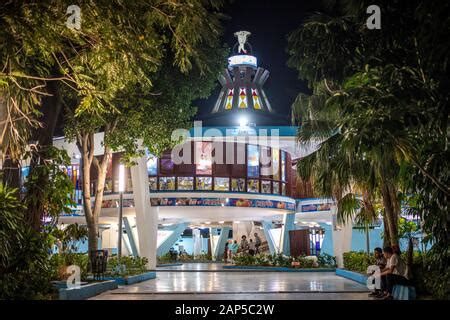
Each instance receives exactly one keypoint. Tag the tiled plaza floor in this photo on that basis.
(208, 283)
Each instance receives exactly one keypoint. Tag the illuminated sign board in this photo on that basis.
(242, 60)
(221, 202)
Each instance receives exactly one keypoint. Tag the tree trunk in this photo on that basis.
(92, 214)
(386, 238)
(391, 211)
(409, 258)
(51, 108)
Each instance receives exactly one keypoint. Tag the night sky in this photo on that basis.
(270, 22)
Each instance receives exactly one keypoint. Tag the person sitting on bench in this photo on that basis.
(381, 263)
(395, 273)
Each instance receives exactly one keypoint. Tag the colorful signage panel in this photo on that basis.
(222, 202)
(316, 207)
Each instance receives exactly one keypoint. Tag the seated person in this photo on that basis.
(381, 263)
(394, 273)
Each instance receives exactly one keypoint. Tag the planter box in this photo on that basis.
(355, 276)
(279, 269)
(123, 281)
(86, 291)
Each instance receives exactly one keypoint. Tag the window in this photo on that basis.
(283, 190)
(276, 187)
(242, 98)
(276, 164)
(153, 183)
(167, 183)
(167, 165)
(238, 185)
(203, 157)
(253, 185)
(252, 161)
(152, 165)
(204, 183)
(229, 102)
(256, 101)
(222, 184)
(185, 183)
(283, 165)
(265, 160)
(266, 186)
(129, 181)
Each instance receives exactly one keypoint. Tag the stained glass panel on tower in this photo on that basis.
(242, 98)
(229, 101)
(256, 100)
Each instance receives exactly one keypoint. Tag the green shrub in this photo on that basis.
(127, 266)
(244, 260)
(358, 261)
(326, 261)
(25, 270)
(60, 262)
(280, 260)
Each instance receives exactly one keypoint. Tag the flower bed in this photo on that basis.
(280, 260)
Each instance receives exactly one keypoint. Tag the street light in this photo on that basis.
(121, 190)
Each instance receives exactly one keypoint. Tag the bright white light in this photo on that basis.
(242, 60)
(243, 121)
(121, 178)
(207, 222)
(221, 222)
(237, 222)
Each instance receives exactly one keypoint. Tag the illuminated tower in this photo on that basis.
(242, 95)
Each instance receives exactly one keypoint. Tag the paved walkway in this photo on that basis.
(203, 281)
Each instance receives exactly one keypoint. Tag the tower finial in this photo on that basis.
(242, 39)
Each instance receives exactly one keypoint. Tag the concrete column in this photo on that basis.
(130, 236)
(146, 215)
(267, 226)
(288, 225)
(197, 239)
(220, 245)
(177, 231)
(342, 238)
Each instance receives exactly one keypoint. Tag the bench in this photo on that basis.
(400, 292)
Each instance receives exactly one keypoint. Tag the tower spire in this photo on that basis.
(242, 82)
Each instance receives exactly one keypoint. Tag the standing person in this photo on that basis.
(244, 244)
(394, 273)
(251, 247)
(225, 253)
(258, 243)
(233, 250)
(381, 263)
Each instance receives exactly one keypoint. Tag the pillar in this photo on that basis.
(267, 226)
(342, 238)
(146, 215)
(177, 231)
(288, 225)
(219, 246)
(130, 236)
(197, 239)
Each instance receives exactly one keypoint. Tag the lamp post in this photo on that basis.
(121, 190)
